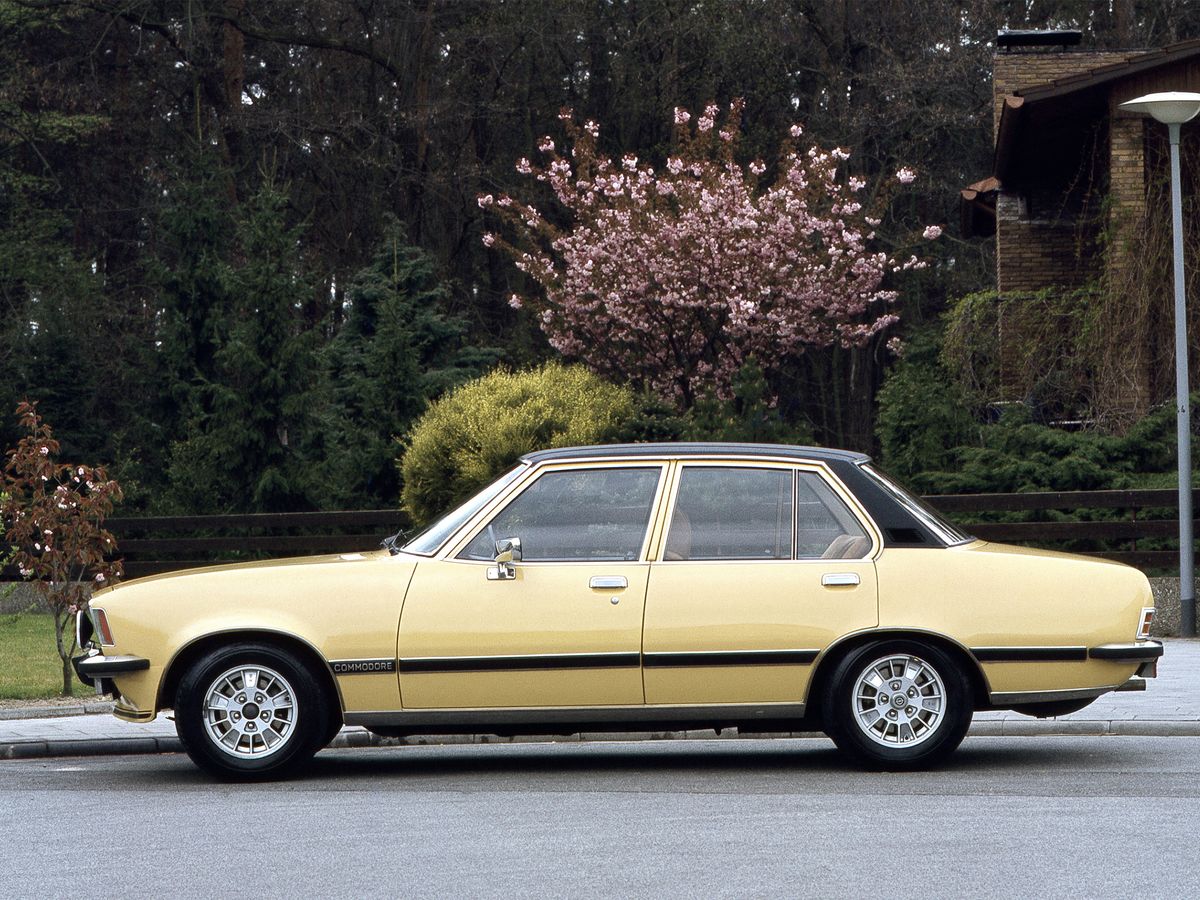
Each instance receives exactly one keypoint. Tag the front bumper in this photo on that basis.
(96, 670)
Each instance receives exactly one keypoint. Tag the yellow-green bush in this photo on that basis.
(480, 429)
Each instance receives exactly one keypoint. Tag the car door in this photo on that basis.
(761, 567)
(565, 629)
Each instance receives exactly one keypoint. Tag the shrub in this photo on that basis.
(471, 435)
(923, 413)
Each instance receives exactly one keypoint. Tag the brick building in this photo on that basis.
(1067, 198)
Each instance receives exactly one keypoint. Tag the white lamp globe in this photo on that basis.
(1169, 107)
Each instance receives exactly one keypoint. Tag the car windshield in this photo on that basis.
(435, 535)
(925, 514)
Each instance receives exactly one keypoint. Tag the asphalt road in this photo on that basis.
(1008, 817)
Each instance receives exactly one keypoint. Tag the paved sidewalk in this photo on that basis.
(1170, 706)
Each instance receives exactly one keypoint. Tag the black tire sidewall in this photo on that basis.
(311, 720)
(838, 704)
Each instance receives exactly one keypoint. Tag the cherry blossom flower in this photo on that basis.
(905, 175)
(672, 278)
(485, 201)
(932, 232)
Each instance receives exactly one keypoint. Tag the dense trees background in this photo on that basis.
(240, 245)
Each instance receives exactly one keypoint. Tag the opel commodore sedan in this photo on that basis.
(641, 587)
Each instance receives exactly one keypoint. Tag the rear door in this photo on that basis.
(761, 567)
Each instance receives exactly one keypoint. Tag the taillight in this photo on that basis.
(1143, 631)
(100, 620)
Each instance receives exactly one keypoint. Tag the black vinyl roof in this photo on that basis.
(696, 448)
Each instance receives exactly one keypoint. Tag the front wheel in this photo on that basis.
(898, 705)
(250, 711)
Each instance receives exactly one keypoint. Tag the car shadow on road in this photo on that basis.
(730, 756)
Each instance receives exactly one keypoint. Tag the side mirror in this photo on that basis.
(508, 551)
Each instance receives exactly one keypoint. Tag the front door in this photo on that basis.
(565, 630)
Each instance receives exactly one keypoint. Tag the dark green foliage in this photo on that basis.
(397, 350)
(252, 371)
(747, 416)
(653, 419)
(1016, 454)
(923, 412)
(480, 429)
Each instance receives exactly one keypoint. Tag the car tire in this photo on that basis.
(250, 711)
(898, 704)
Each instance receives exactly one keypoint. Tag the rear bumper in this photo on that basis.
(1134, 652)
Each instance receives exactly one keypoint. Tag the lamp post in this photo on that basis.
(1173, 108)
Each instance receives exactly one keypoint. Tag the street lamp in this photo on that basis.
(1173, 108)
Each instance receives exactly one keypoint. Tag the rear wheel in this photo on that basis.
(250, 711)
(898, 705)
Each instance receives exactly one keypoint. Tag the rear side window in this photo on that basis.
(825, 527)
(731, 513)
(583, 514)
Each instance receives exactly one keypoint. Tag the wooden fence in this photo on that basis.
(1133, 517)
(164, 543)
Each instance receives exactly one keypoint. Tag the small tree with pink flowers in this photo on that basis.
(53, 514)
(673, 278)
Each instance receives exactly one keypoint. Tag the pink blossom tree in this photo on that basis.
(53, 515)
(673, 278)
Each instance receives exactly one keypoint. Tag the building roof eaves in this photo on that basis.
(1131, 65)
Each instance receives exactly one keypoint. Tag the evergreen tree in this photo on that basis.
(252, 403)
(398, 349)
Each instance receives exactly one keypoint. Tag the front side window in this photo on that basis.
(435, 535)
(583, 514)
(731, 513)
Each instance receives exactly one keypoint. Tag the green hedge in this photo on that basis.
(477, 431)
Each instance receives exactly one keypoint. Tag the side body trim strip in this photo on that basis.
(520, 663)
(731, 658)
(549, 661)
(1030, 654)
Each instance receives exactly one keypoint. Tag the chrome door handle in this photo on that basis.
(839, 579)
(608, 582)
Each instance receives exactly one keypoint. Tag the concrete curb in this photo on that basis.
(96, 708)
(358, 738)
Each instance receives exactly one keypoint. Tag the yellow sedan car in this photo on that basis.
(638, 587)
